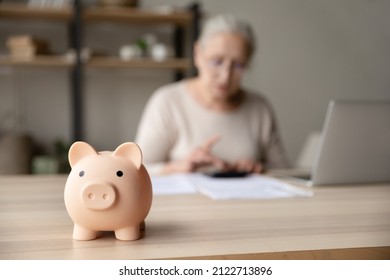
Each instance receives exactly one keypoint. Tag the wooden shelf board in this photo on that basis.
(136, 15)
(20, 11)
(51, 61)
(114, 62)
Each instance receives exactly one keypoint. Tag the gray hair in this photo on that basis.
(228, 23)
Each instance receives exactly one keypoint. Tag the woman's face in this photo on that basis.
(221, 61)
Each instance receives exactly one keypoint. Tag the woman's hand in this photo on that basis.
(248, 165)
(199, 158)
(202, 157)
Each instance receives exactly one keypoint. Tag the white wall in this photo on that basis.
(309, 52)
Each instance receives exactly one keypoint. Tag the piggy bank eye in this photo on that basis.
(81, 174)
(119, 173)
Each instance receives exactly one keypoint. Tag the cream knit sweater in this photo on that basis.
(174, 123)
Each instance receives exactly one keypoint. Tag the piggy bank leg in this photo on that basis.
(142, 226)
(128, 233)
(81, 233)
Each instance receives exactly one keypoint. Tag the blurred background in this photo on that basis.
(309, 52)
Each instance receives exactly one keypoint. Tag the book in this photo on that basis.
(26, 45)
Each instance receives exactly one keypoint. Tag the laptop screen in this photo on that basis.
(355, 144)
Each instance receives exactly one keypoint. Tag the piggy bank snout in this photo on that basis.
(98, 196)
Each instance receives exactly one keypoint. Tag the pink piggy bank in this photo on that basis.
(107, 191)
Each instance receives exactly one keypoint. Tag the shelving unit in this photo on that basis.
(76, 17)
(23, 12)
(19, 12)
(134, 15)
(38, 61)
(114, 62)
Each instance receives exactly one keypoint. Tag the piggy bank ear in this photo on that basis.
(79, 150)
(130, 151)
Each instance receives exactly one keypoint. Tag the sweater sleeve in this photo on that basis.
(155, 133)
(274, 156)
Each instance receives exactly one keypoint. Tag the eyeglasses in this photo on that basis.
(219, 64)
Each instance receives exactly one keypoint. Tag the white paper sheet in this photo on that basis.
(173, 184)
(252, 187)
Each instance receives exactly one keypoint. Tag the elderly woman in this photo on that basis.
(210, 121)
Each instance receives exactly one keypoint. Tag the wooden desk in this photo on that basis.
(349, 222)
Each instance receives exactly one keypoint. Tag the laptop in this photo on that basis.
(355, 144)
